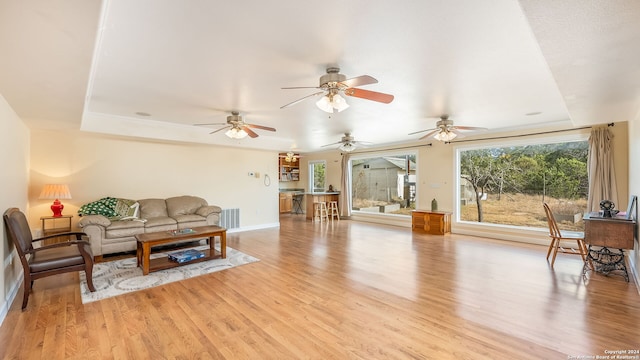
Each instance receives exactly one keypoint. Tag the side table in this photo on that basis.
(431, 222)
(54, 225)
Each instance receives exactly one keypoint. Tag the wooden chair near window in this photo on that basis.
(558, 236)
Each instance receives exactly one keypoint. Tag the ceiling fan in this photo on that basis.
(445, 130)
(333, 84)
(348, 143)
(290, 156)
(238, 129)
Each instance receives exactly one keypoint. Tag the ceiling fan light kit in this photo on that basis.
(445, 130)
(445, 135)
(331, 102)
(291, 157)
(348, 143)
(236, 133)
(238, 129)
(347, 147)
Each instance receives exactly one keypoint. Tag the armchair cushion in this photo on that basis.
(51, 258)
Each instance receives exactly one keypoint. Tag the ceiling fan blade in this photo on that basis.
(300, 87)
(250, 132)
(301, 99)
(359, 81)
(222, 128)
(468, 128)
(418, 132)
(210, 124)
(335, 143)
(260, 127)
(429, 134)
(369, 95)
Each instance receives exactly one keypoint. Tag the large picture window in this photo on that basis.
(384, 184)
(507, 185)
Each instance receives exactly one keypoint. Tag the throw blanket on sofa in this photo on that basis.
(112, 208)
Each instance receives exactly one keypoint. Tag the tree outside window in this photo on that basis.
(507, 185)
(317, 175)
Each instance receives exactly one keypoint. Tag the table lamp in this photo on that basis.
(57, 192)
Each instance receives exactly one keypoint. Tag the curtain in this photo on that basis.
(602, 177)
(345, 183)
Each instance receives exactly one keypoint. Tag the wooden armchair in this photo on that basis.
(47, 260)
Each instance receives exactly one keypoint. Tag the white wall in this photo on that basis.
(634, 186)
(14, 145)
(96, 166)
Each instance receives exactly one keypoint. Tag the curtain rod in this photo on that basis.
(522, 135)
(396, 148)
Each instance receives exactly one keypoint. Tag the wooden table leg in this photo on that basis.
(139, 253)
(223, 244)
(146, 258)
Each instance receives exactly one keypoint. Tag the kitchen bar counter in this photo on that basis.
(327, 196)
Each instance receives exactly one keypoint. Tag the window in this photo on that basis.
(383, 184)
(507, 185)
(317, 175)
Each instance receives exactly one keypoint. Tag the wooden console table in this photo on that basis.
(602, 234)
(432, 222)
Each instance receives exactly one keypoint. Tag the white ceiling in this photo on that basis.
(92, 65)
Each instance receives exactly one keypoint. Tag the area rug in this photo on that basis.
(113, 278)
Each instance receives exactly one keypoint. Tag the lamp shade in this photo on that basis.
(56, 192)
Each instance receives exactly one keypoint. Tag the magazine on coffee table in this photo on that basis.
(181, 232)
(185, 255)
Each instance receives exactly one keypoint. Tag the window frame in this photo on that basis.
(377, 154)
(312, 164)
(458, 148)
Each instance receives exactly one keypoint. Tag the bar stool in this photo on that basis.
(297, 204)
(320, 211)
(333, 210)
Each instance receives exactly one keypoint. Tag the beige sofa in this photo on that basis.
(180, 212)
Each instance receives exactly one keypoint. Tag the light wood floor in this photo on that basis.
(345, 290)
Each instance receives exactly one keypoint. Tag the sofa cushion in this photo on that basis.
(152, 208)
(184, 205)
(189, 221)
(122, 228)
(162, 223)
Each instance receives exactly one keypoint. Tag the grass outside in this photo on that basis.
(525, 210)
(512, 209)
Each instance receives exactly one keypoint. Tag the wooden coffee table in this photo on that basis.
(146, 241)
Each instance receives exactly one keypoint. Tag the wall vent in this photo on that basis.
(230, 218)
